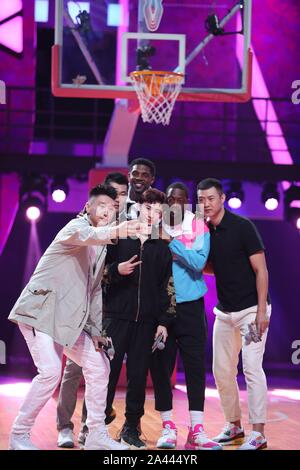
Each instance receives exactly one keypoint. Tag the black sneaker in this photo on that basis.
(110, 416)
(130, 435)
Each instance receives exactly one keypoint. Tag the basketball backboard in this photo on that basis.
(99, 42)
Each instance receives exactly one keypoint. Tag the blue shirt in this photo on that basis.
(190, 255)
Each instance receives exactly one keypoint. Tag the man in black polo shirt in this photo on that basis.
(242, 315)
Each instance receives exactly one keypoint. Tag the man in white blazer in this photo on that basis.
(59, 311)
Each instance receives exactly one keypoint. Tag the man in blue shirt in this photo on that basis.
(189, 244)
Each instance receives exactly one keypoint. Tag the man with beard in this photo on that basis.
(189, 245)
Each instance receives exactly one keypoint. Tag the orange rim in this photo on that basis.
(161, 77)
(172, 77)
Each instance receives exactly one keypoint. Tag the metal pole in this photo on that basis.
(208, 38)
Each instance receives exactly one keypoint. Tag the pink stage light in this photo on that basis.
(9, 8)
(298, 223)
(265, 110)
(18, 389)
(122, 28)
(11, 34)
(33, 213)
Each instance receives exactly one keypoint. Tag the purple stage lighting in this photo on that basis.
(59, 195)
(291, 205)
(234, 202)
(271, 204)
(33, 213)
(235, 195)
(270, 196)
(33, 197)
(59, 189)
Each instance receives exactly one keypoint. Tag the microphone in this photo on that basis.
(252, 335)
(107, 346)
(158, 343)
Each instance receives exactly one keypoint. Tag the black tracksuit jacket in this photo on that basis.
(146, 294)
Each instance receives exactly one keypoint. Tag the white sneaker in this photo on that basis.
(101, 440)
(21, 442)
(168, 439)
(65, 438)
(255, 441)
(230, 435)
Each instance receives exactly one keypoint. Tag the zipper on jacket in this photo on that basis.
(139, 285)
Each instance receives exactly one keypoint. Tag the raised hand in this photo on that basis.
(128, 267)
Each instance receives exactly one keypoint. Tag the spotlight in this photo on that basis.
(59, 190)
(33, 211)
(270, 196)
(33, 195)
(235, 195)
(293, 216)
(292, 206)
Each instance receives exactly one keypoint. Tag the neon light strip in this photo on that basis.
(123, 28)
(265, 111)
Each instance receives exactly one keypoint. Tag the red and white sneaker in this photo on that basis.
(198, 440)
(255, 441)
(230, 435)
(168, 439)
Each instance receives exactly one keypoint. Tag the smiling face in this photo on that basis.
(140, 178)
(101, 210)
(212, 201)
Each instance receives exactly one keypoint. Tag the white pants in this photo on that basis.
(228, 340)
(47, 357)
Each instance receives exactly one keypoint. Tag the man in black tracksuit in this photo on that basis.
(136, 309)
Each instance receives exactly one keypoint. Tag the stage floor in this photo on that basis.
(283, 429)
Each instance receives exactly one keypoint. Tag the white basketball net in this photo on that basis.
(157, 93)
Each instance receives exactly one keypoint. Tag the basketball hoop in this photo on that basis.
(157, 92)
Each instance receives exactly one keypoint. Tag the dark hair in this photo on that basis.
(118, 178)
(153, 195)
(178, 185)
(144, 161)
(103, 189)
(211, 183)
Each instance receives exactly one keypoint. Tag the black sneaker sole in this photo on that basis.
(133, 447)
(238, 440)
(66, 445)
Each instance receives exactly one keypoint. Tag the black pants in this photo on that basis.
(134, 339)
(188, 333)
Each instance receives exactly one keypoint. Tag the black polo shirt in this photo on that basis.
(231, 243)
